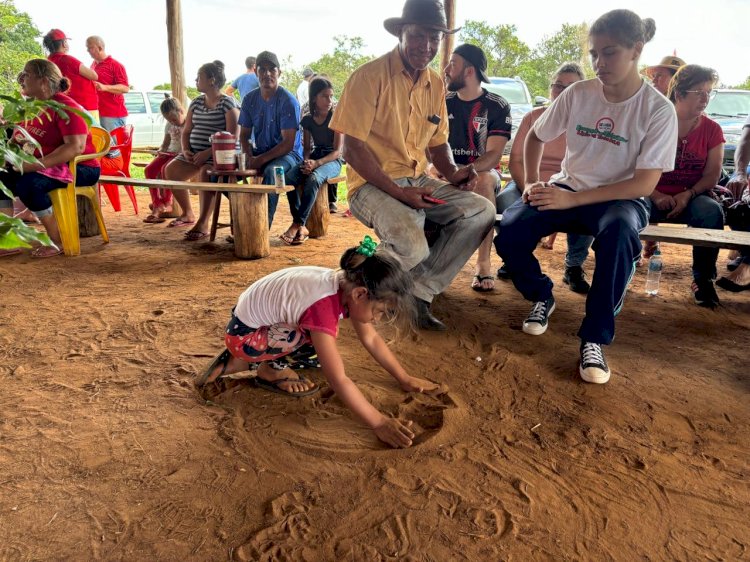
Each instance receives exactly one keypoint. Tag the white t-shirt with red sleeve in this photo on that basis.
(607, 142)
(306, 296)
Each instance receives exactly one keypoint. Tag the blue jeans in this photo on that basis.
(288, 161)
(32, 189)
(615, 226)
(112, 123)
(701, 212)
(300, 204)
(578, 245)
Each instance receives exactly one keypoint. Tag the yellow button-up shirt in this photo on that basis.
(394, 116)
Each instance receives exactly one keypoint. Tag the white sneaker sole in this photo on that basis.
(535, 328)
(593, 375)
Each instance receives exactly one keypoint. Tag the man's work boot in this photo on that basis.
(425, 319)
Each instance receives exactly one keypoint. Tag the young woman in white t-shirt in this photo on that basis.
(620, 135)
(289, 316)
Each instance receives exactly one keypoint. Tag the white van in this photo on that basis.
(144, 115)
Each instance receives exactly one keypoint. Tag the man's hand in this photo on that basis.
(550, 198)
(308, 166)
(253, 162)
(737, 183)
(394, 433)
(464, 178)
(681, 201)
(662, 201)
(412, 196)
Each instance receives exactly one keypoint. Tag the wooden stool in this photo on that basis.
(320, 214)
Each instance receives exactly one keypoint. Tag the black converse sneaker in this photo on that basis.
(537, 320)
(593, 366)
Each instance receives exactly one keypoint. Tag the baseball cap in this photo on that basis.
(267, 57)
(57, 35)
(307, 72)
(474, 56)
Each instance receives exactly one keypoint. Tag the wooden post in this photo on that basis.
(250, 220)
(176, 59)
(447, 45)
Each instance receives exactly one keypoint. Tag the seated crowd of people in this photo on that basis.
(608, 156)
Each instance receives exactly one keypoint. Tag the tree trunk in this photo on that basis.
(447, 46)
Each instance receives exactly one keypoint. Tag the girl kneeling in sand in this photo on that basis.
(285, 312)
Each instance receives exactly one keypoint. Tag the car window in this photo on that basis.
(513, 92)
(729, 103)
(155, 99)
(134, 103)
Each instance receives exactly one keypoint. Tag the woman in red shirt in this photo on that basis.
(59, 139)
(683, 195)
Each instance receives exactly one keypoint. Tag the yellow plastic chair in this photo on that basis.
(64, 200)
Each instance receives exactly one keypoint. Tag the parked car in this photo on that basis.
(515, 92)
(729, 108)
(144, 115)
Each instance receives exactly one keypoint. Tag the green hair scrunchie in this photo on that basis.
(367, 247)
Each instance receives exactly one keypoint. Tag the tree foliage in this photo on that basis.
(506, 54)
(744, 86)
(347, 56)
(18, 44)
(191, 91)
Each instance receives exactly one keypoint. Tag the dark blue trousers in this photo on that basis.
(614, 225)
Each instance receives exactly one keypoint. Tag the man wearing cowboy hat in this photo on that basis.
(660, 74)
(391, 111)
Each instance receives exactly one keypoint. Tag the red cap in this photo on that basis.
(57, 35)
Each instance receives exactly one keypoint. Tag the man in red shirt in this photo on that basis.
(112, 84)
(81, 76)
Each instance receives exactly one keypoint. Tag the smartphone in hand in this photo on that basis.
(431, 199)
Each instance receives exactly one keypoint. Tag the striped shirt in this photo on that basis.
(208, 121)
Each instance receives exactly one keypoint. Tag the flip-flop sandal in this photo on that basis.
(180, 222)
(479, 279)
(221, 359)
(273, 386)
(43, 252)
(195, 235)
(153, 219)
(11, 252)
(300, 239)
(286, 239)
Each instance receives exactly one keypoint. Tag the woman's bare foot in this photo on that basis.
(269, 374)
(549, 242)
(741, 275)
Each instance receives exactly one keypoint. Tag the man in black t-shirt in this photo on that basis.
(480, 125)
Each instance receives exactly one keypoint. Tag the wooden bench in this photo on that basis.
(249, 208)
(710, 237)
(320, 214)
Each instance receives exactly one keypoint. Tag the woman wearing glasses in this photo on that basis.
(552, 155)
(683, 195)
(620, 133)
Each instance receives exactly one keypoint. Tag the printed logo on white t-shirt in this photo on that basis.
(603, 130)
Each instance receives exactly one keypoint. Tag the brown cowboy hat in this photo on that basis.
(669, 62)
(429, 13)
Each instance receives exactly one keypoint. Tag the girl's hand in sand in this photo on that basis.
(393, 432)
(414, 384)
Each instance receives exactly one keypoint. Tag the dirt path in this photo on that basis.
(107, 452)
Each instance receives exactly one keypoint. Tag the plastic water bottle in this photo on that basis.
(655, 265)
